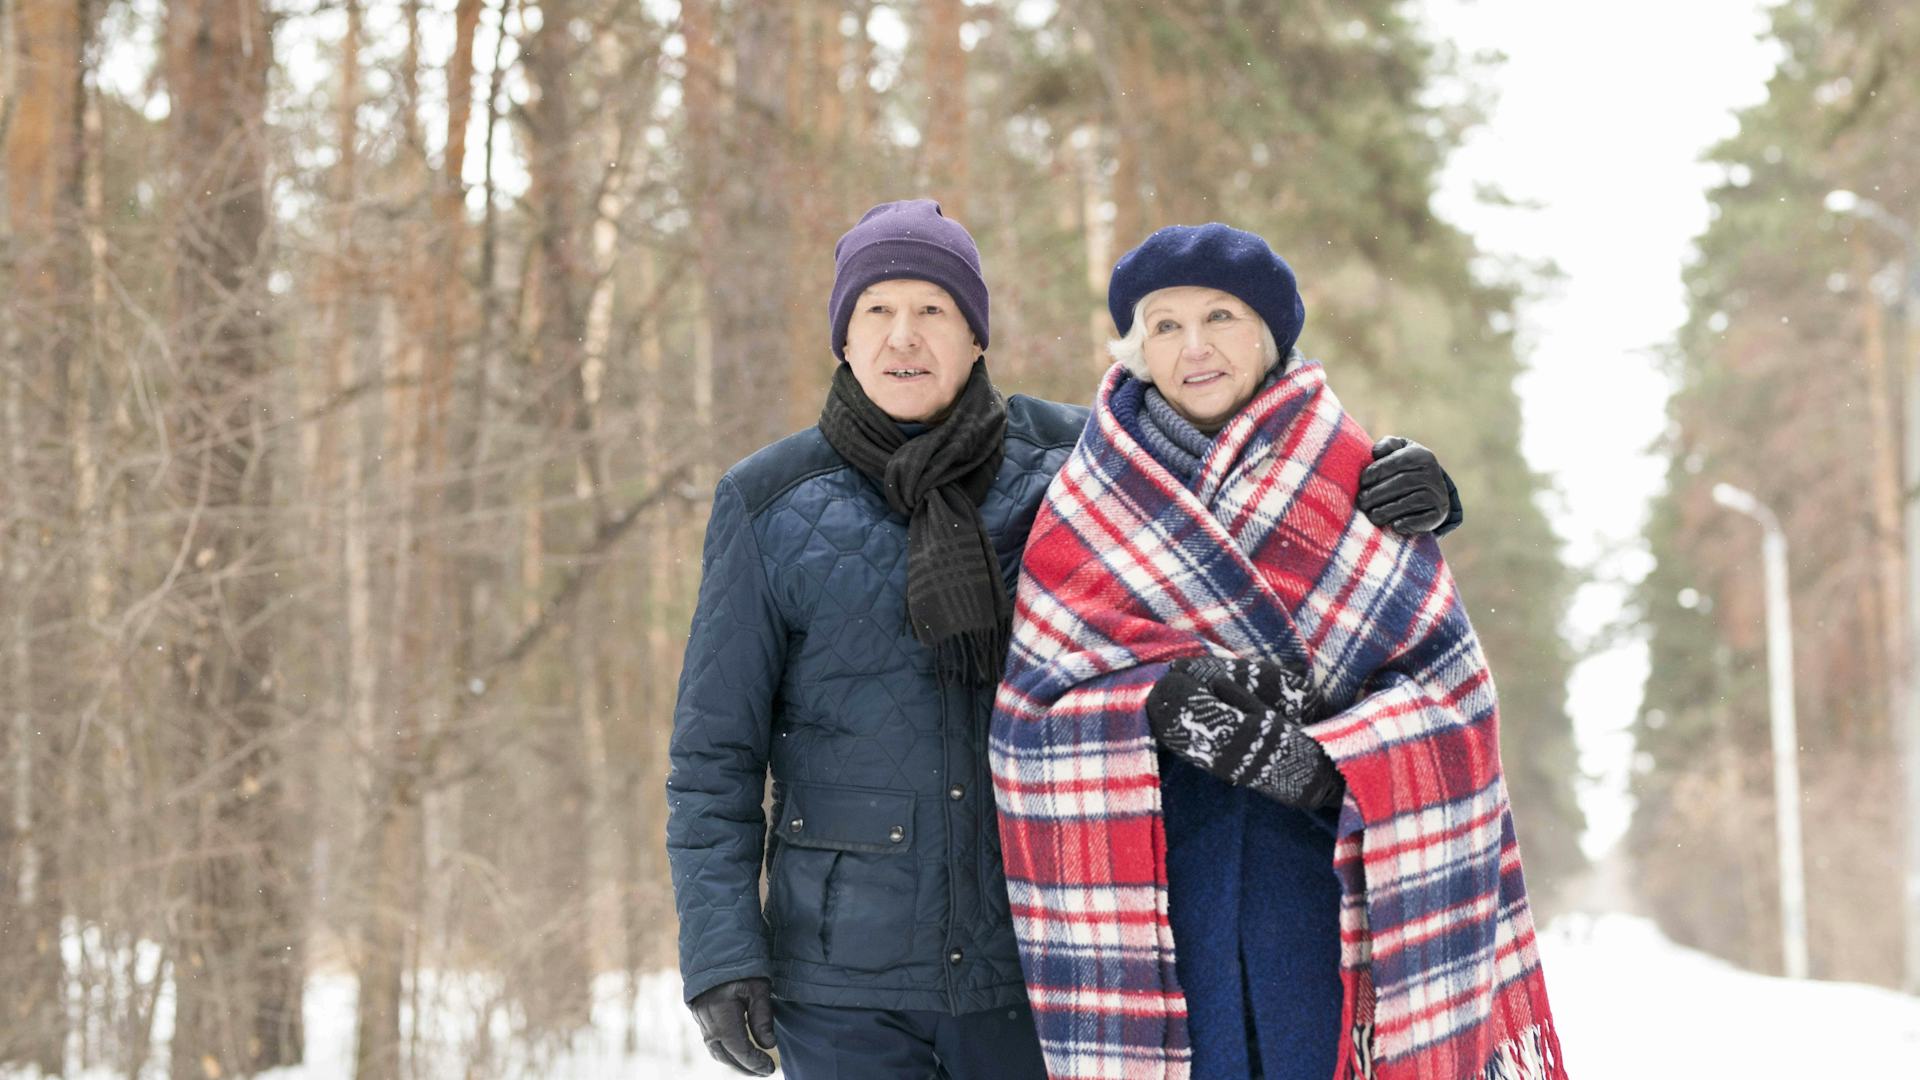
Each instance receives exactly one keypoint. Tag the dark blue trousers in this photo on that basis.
(826, 1042)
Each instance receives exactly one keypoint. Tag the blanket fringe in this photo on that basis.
(1363, 1050)
(1526, 1056)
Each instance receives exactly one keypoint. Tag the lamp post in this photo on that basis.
(1786, 759)
(1907, 732)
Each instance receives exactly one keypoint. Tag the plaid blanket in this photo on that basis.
(1125, 570)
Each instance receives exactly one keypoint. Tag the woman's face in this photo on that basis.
(1203, 350)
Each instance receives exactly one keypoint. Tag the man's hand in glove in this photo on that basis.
(1240, 720)
(1406, 490)
(733, 1017)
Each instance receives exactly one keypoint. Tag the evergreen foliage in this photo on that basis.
(1788, 386)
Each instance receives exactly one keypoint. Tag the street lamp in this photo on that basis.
(1844, 202)
(1907, 732)
(1786, 761)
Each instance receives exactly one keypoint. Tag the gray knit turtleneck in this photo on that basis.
(1174, 441)
(1171, 439)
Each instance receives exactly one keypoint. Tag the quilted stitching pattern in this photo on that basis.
(800, 662)
(720, 738)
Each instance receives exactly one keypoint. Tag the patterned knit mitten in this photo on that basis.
(1240, 720)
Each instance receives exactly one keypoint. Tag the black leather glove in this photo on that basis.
(1240, 720)
(733, 1017)
(1406, 490)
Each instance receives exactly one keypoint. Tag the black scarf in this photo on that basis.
(956, 600)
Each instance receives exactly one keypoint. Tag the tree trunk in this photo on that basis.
(865, 113)
(943, 143)
(32, 1030)
(453, 578)
(43, 325)
(701, 91)
(430, 322)
(559, 365)
(393, 774)
(240, 964)
(605, 727)
(749, 287)
(1124, 68)
(1097, 235)
(100, 422)
(378, 918)
(809, 81)
(1888, 531)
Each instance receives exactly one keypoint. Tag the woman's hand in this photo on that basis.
(1406, 490)
(1240, 720)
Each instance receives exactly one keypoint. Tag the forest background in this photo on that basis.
(365, 370)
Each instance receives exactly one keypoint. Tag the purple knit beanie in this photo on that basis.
(907, 239)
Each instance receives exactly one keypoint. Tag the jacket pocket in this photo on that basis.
(847, 881)
(797, 902)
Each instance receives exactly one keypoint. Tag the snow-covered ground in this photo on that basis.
(1631, 1006)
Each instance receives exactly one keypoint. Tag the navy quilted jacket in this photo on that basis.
(882, 858)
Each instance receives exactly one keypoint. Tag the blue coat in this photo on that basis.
(884, 882)
(1255, 911)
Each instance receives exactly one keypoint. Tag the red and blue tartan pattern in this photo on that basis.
(1126, 570)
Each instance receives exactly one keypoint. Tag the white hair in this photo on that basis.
(1131, 348)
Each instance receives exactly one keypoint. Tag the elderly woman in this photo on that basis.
(1240, 717)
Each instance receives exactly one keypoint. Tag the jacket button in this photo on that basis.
(796, 823)
(897, 834)
(956, 792)
(955, 956)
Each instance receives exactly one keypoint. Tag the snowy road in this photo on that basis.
(1631, 1006)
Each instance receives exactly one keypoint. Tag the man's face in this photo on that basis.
(910, 348)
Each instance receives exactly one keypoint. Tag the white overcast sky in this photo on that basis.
(1603, 112)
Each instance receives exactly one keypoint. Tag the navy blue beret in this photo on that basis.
(1214, 256)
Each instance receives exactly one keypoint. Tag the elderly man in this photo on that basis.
(852, 621)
